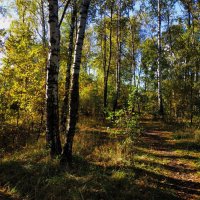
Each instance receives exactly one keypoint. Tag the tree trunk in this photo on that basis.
(109, 62)
(45, 55)
(44, 31)
(65, 107)
(118, 66)
(171, 64)
(159, 74)
(190, 45)
(133, 62)
(104, 49)
(74, 91)
(52, 129)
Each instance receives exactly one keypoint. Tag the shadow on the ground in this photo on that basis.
(87, 141)
(39, 179)
(157, 144)
(84, 181)
(176, 168)
(188, 187)
(167, 156)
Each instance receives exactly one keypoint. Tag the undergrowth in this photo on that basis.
(187, 133)
(108, 164)
(100, 167)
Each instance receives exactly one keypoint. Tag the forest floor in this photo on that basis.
(170, 165)
(107, 165)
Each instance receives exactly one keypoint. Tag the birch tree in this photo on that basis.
(68, 70)
(74, 90)
(52, 128)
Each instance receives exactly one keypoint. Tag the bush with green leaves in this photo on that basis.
(126, 118)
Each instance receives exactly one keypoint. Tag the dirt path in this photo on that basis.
(168, 165)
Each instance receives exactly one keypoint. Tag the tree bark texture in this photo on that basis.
(65, 107)
(52, 126)
(74, 90)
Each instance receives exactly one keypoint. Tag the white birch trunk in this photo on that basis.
(52, 129)
(74, 90)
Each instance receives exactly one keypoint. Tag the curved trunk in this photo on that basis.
(65, 107)
(74, 91)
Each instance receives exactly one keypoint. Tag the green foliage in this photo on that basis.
(126, 118)
(187, 133)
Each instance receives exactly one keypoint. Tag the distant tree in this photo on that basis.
(119, 52)
(107, 71)
(159, 69)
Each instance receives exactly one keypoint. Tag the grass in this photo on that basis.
(30, 174)
(187, 133)
(45, 180)
(106, 166)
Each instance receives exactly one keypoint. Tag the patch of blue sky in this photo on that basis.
(9, 13)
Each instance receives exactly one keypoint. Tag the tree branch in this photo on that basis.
(64, 11)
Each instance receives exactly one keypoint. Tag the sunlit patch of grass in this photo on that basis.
(183, 158)
(155, 169)
(151, 158)
(151, 152)
(189, 134)
(149, 167)
(32, 153)
(118, 175)
(103, 148)
(198, 165)
(178, 135)
(86, 123)
(197, 135)
(173, 152)
(179, 163)
(192, 153)
(186, 162)
(110, 154)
